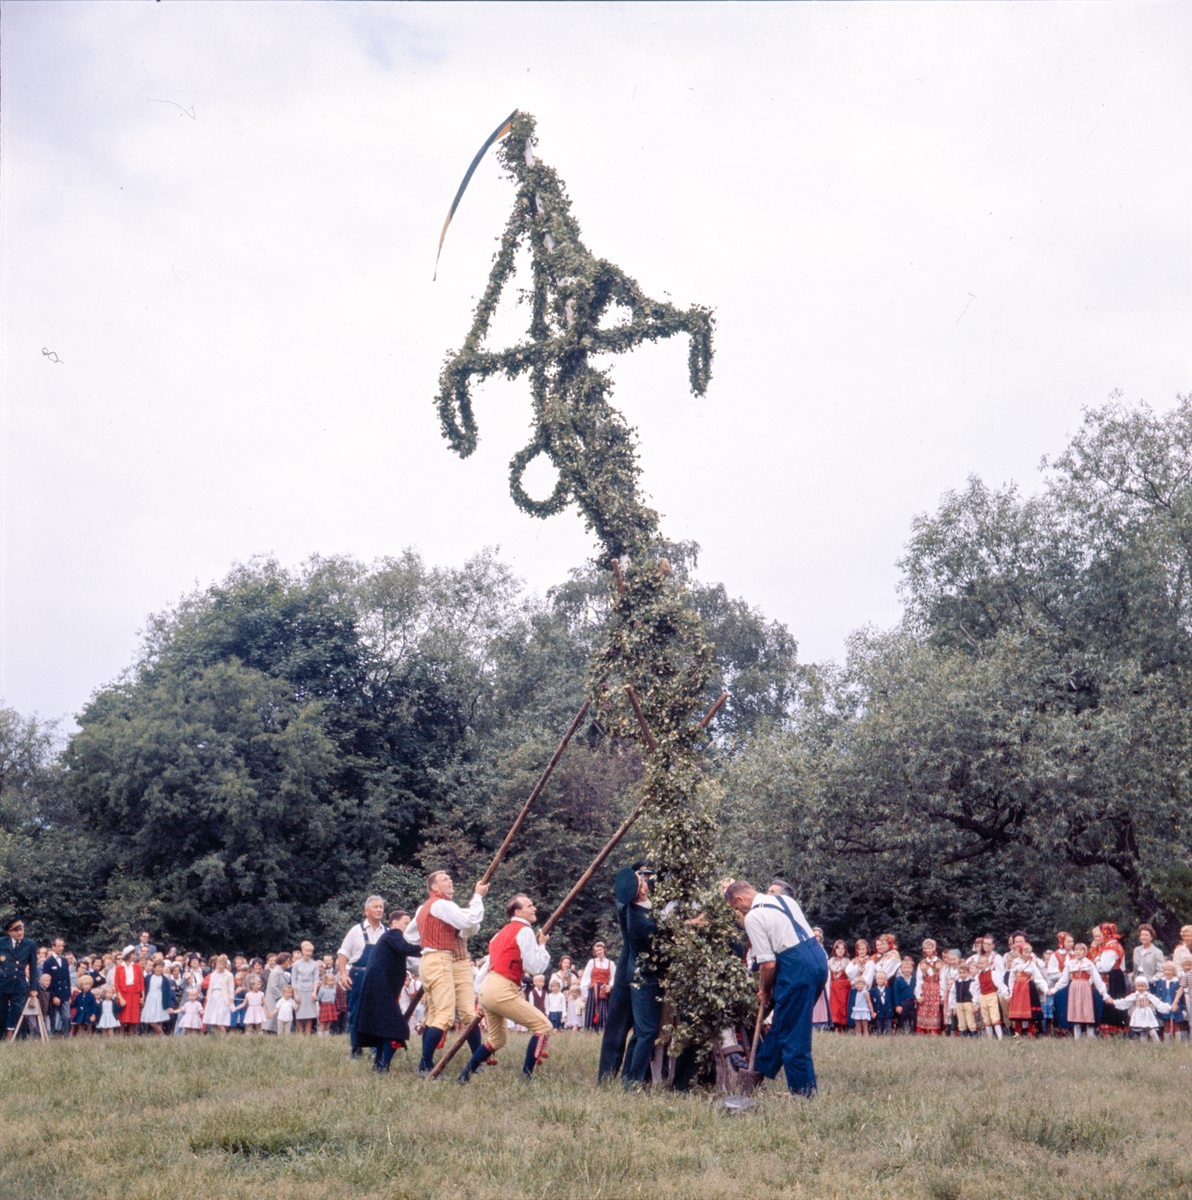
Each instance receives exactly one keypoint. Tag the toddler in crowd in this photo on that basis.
(190, 1019)
(862, 1006)
(107, 1011)
(328, 1014)
(254, 1006)
(1167, 987)
(86, 1007)
(556, 1004)
(575, 1009)
(881, 995)
(1142, 1006)
(284, 1012)
(961, 1000)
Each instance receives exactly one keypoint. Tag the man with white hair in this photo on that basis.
(352, 961)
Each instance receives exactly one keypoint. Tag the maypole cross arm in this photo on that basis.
(585, 439)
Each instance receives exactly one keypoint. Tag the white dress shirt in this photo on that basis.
(357, 938)
(769, 928)
(466, 920)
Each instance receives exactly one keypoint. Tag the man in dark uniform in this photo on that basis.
(58, 969)
(644, 992)
(18, 972)
(619, 1019)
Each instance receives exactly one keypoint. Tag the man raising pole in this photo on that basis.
(515, 951)
(352, 960)
(442, 928)
(793, 969)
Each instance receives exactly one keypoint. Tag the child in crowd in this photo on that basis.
(86, 1007)
(990, 991)
(536, 994)
(328, 1014)
(1142, 1006)
(239, 1002)
(189, 1013)
(961, 1001)
(881, 996)
(903, 987)
(108, 1020)
(284, 1012)
(862, 1007)
(575, 1009)
(254, 1006)
(1167, 987)
(1080, 976)
(556, 1004)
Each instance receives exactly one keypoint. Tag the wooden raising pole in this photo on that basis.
(641, 717)
(546, 774)
(521, 816)
(713, 710)
(549, 924)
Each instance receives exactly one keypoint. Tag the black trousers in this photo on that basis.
(617, 1025)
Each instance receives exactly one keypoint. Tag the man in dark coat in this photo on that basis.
(644, 992)
(380, 1022)
(18, 972)
(619, 1020)
(58, 969)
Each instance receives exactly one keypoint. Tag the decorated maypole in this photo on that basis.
(649, 680)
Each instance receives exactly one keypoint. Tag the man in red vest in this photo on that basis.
(516, 951)
(442, 928)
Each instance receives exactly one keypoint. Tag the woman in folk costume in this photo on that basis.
(1028, 985)
(839, 985)
(1078, 979)
(221, 993)
(929, 1000)
(1053, 968)
(888, 961)
(1111, 961)
(596, 985)
(129, 985)
(821, 1017)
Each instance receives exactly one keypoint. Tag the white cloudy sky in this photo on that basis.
(931, 234)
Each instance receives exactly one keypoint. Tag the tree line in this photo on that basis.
(1014, 753)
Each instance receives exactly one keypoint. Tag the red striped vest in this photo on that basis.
(438, 935)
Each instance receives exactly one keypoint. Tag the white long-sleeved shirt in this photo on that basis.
(1028, 967)
(535, 958)
(1080, 966)
(466, 920)
(997, 976)
(556, 1002)
(1141, 1006)
(585, 980)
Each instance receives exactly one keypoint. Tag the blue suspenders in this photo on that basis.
(802, 934)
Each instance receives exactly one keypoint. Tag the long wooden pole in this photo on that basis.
(549, 924)
(521, 816)
(546, 774)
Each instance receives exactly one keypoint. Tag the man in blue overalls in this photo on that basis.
(353, 957)
(792, 970)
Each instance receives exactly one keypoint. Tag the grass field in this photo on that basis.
(265, 1119)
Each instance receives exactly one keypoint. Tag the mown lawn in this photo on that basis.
(261, 1118)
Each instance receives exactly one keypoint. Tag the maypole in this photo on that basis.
(650, 678)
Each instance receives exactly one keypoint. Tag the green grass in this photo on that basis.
(295, 1119)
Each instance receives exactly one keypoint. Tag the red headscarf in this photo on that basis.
(1110, 934)
(1060, 953)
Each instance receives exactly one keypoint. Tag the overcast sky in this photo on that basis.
(930, 234)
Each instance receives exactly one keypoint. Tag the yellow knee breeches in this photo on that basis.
(503, 1001)
(447, 988)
